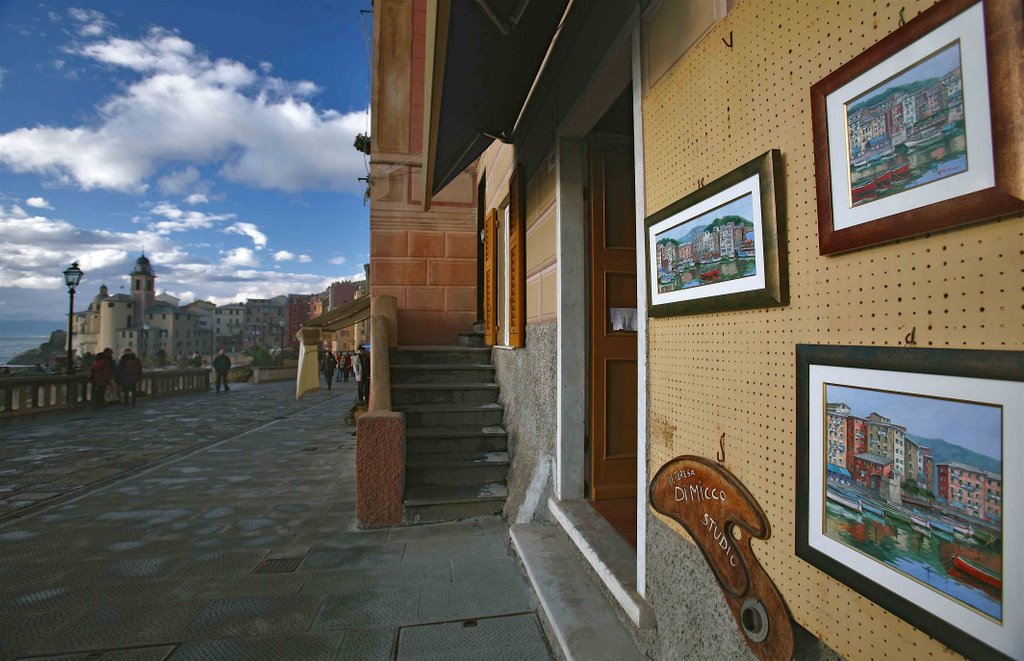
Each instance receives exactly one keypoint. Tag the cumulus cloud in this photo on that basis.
(304, 259)
(196, 198)
(337, 261)
(18, 212)
(35, 249)
(176, 183)
(259, 239)
(180, 220)
(89, 22)
(240, 257)
(38, 203)
(185, 107)
(283, 256)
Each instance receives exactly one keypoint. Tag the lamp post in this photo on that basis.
(280, 355)
(72, 276)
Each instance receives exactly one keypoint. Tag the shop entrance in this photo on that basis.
(612, 318)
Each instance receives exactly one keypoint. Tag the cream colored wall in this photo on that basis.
(716, 109)
(541, 261)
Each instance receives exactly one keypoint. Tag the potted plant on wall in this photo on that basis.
(362, 143)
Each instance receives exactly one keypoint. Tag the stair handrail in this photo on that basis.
(383, 322)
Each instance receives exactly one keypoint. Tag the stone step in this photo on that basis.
(451, 415)
(584, 624)
(440, 355)
(432, 504)
(472, 339)
(452, 440)
(442, 374)
(443, 393)
(456, 469)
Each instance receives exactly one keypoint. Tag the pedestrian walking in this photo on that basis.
(327, 365)
(221, 365)
(127, 375)
(101, 374)
(337, 358)
(346, 366)
(362, 370)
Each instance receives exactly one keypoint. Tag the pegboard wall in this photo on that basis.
(718, 108)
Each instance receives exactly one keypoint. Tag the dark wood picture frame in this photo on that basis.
(1004, 43)
(995, 366)
(770, 196)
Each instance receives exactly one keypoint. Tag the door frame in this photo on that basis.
(571, 276)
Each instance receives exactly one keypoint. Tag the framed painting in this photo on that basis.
(921, 131)
(721, 247)
(910, 479)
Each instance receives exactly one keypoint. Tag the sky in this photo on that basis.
(976, 427)
(738, 207)
(215, 135)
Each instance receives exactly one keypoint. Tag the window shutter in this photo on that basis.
(490, 277)
(517, 258)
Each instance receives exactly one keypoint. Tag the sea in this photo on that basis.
(12, 346)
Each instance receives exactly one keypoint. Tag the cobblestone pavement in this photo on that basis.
(54, 454)
(247, 548)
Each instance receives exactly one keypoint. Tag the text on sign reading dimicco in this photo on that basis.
(686, 492)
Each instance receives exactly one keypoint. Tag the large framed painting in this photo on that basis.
(910, 485)
(922, 131)
(721, 247)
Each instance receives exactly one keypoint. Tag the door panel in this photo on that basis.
(612, 362)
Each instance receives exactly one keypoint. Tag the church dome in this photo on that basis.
(102, 296)
(142, 266)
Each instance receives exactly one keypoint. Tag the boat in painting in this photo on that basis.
(844, 499)
(976, 571)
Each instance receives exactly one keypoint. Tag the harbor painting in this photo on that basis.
(915, 483)
(714, 247)
(909, 130)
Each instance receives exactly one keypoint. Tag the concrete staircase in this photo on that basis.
(456, 458)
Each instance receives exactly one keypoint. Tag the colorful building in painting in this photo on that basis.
(972, 490)
(927, 476)
(836, 432)
(869, 468)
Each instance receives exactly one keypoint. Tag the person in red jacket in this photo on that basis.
(101, 374)
(127, 375)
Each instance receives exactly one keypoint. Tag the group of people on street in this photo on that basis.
(125, 373)
(345, 364)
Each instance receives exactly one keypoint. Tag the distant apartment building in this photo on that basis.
(264, 322)
(228, 323)
(297, 313)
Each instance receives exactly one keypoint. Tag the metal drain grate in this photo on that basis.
(278, 565)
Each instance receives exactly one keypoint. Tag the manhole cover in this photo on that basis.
(278, 565)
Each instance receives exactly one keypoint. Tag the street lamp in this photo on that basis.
(280, 324)
(72, 276)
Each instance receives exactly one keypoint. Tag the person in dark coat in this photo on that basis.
(327, 365)
(345, 365)
(221, 365)
(101, 374)
(127, 375)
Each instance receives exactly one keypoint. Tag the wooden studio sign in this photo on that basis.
(722, 517)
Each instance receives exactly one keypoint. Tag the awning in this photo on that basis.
(342, 316)
(486, 55)
(838, 470)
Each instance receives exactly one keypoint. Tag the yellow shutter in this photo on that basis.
(490, 277)
(517, 258)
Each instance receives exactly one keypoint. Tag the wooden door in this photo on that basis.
(612, 362)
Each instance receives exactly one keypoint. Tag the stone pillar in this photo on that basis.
(380, 469)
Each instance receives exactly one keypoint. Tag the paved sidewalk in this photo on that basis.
(247, 549)
(50, 455)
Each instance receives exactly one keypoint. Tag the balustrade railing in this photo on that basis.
(27, 395)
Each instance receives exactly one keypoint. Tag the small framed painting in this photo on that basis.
(922, 131)
(721, 247)
(910, 476)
